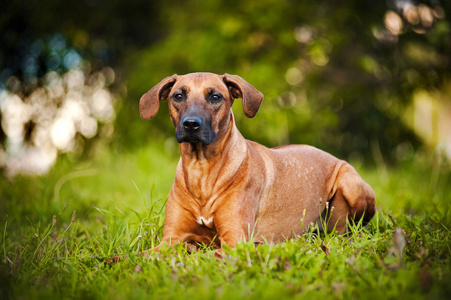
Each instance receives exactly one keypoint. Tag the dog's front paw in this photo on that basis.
(114, 259)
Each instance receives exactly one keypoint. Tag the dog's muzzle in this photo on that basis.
(194, 129)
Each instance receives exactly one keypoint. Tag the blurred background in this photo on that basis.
(366, 80)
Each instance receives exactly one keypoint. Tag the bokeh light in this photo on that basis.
(47, 121)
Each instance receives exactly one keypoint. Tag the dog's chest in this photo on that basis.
(205, 221)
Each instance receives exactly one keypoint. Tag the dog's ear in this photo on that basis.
(150, 101)
(240, 88)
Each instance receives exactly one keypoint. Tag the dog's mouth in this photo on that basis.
(203, 136)
(194, 128)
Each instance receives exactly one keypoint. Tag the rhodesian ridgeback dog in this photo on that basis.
(228, 189)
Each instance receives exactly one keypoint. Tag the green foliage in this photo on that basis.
(333, 74)
(329, 78)
(119, 210)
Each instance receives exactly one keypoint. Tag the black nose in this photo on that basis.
(192, 123)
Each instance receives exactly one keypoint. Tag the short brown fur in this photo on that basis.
(233, 188)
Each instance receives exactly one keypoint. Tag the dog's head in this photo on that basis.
(199, 103)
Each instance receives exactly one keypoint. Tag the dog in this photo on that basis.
(228, 189)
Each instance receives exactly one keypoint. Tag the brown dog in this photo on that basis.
(229, 189)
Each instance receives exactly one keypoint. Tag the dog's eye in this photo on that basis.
(178, 97)
(215, 98)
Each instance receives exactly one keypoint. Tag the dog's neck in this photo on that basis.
(203, 164)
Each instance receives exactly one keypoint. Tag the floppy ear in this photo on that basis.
(150, 101)
(240, 88)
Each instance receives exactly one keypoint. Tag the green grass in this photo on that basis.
(49, 252)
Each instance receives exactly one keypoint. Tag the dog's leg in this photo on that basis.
(353, 199)
(168, 242)
(171, 234)
(146, 253)
(236, 224)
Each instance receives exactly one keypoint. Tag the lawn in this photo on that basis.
(56, 229)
